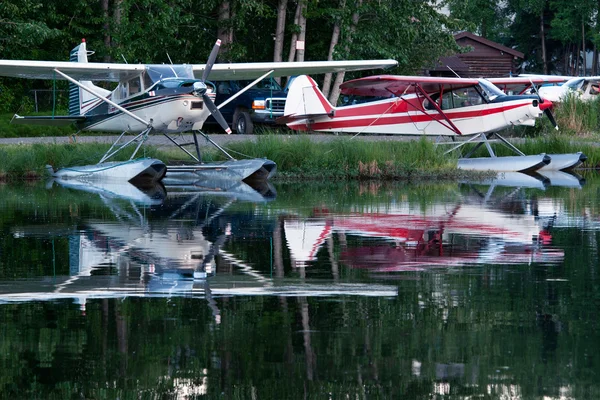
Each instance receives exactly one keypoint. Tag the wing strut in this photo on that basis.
(141, 137)
(439, 110)
(246, 88)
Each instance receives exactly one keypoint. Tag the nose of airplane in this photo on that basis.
(545, 104)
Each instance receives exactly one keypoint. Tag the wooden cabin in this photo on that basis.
(487, 59)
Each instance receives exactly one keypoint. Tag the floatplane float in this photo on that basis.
(167, 99)
(434, 107)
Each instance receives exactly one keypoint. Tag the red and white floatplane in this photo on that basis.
(435, 107)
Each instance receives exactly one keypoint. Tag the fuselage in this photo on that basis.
(169, 113)
(410, 106)
(167, 97)
(412, 115)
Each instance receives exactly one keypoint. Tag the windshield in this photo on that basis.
(156, 73)
(575, 83)
(267, 83)
(490, 91)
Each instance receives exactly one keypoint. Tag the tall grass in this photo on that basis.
(296, 157)
(8, 130)
(577, 117)
(345, 158)
(29, 161)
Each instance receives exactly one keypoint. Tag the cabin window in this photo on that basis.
(134, 86)
(121, 91)
(464, 97)
(467, 97)
(147, 81)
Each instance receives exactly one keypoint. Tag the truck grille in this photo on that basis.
(275, 104)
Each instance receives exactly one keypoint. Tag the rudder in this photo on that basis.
(305, 98)
(79, 98)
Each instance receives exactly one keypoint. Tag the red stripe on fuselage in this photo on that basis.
(375, 115)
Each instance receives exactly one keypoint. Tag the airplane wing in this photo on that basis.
(387, 85)
(245, 71)
(520, 84)
(106, 72)
(112, 72)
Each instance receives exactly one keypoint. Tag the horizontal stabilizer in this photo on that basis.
(289, 118)
(48, 120)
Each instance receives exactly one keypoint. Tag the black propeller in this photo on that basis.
(547, 111)
(550, 116)
(207, 100)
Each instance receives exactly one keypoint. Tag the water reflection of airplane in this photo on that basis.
(536, 180)
(166, 250)
(155, 194)
(401, 236)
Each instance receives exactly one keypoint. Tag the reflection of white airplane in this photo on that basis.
(160, 98)
(431, 106)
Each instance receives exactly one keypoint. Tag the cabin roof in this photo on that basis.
(489, 43)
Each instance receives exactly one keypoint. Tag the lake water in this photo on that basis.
(302, 291)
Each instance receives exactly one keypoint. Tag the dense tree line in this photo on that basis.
(552, 33)
(556, 36)
(158, 31)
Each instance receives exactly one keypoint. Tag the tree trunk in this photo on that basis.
(339, 78)
(302, 34)
(117, 14)
(583, 49)
(543, 39)
(577, 58)
(594, 70)
(335, 36)
(225, 31)
(279, 33)
(106, 30)
(295, 34)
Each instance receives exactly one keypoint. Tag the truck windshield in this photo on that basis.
(268, 84)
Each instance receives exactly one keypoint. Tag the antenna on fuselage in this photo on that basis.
(453, 71)
(124, 58)
(169, 57)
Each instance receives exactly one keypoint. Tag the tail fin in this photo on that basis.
(305, 99)
(81, 101)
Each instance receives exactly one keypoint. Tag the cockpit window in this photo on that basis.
(456, 98)
(490, 91)
(156, 73)
(575, 83)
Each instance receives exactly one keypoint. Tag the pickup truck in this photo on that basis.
(261, 104)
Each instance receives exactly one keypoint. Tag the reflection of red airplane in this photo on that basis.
(441, 235)
(381, 258)
(412, 105)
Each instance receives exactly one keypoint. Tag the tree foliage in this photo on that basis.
(183, 31)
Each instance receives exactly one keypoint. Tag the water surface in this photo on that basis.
(306, 290)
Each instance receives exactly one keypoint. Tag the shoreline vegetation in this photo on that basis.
(298, 157)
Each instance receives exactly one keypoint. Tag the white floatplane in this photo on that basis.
(585, 88)
(431, 106)
(167, 99)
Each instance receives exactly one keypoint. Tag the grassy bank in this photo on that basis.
(296, 157)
